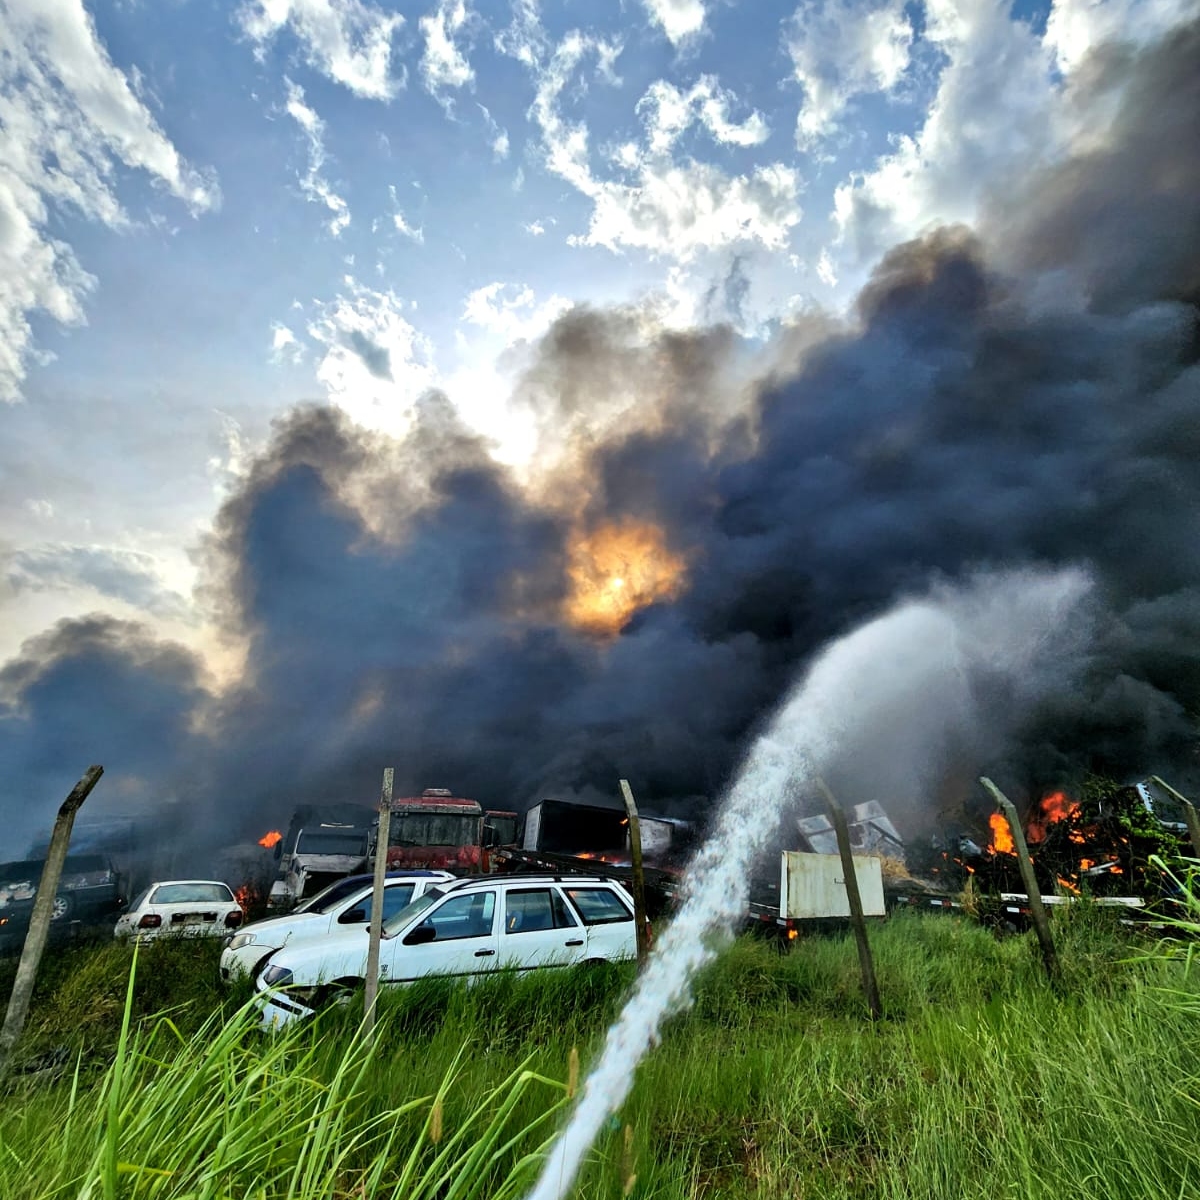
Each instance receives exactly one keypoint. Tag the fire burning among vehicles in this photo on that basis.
(1100, 844)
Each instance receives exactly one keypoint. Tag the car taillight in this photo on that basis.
(150, 921)
(233, 919)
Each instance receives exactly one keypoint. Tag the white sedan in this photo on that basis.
(344, 904)
(181, 908)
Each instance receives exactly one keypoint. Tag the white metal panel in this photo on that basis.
(533, 826)
(814, 885)
(656, 836)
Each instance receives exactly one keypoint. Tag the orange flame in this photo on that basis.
(616, 570)
(270, 839)
(1057, 806)
(1002, 838)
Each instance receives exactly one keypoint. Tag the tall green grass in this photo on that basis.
(983, 1080)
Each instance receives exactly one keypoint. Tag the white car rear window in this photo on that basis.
(598, 906)
(192, 893)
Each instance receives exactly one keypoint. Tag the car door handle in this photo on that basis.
(484, 953)
(574, 942)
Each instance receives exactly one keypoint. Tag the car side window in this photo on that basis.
(528, 910)
(467, 916)
(394, 899)
(598, 906)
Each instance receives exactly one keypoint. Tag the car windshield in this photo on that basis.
(351, 842)
(324, 900)
(192, 893)
(434, 829)
(394, 924)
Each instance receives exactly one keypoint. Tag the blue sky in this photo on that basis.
(210, 213)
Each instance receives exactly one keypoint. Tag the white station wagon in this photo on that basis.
(465, 928)
(344, 903)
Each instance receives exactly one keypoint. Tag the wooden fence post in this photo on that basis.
(1041, 922)
(639, 877)
(43, 911)
(375, 933)
(857, 920)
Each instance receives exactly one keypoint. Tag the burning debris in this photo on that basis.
(1101, 844)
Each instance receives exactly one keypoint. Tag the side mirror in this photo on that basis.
(421, 935)
(278, 850)
(490, 837)
(354, 917)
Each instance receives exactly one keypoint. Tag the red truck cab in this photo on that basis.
(440, 831)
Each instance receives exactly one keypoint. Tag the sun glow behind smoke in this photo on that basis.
(617, 570)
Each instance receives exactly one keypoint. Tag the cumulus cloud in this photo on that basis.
(314, 185)
(678, 19)
(498, 135)
(285, 346)
(669, 112)
(840, 49)
(348, 41)
(512, 310)
(1007, 100)
(130, 576)
(668, 207)
(400, 221)
(373, 362)
(69, 119)
(443, 64)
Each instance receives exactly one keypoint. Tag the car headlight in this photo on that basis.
(241, 939)
(275, 976)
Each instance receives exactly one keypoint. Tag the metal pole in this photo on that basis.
(1189, 813)
(39, 921)
(857, 920)
(1041, 922)
(371, 988)
(639, 878)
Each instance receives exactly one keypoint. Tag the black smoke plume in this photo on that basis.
(1026, 393)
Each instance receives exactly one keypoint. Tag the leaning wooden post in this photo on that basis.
(43, 911)
(1189, 813)
(1041, 922)
(639, 877)
(857, 920)
(371, 987)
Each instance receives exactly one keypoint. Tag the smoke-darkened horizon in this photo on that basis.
(1024, 394)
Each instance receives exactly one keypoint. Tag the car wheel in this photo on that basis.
(340, 992)
(61, 909)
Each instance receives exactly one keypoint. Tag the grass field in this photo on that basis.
(981, 1081)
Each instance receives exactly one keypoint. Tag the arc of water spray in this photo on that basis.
(717, 892)
(922, 649)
